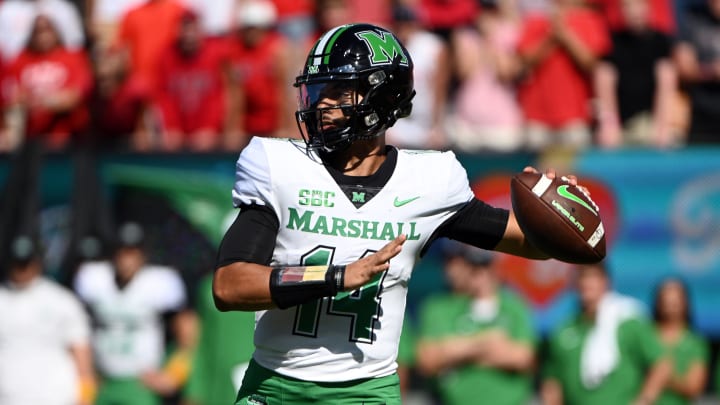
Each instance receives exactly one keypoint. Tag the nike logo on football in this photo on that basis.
(563, 192)
(400, 203)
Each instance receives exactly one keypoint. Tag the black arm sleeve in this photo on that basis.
(477, 224)
(251, 238)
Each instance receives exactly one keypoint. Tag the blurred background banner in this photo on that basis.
(669, 206)
(661, 211)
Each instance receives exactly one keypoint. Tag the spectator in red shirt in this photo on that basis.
(120, 105)
(295, 19)
(147, 30)
(443, 16)
(191, 94)
(50, 85)
(559, 52)
(6, 135)
(259, 72)
(377, 12)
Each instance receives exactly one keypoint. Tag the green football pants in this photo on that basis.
(265, 387)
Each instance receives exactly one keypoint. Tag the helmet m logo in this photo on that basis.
(384, 47)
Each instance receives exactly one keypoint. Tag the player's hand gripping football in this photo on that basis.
(360, 272)
(550, 173)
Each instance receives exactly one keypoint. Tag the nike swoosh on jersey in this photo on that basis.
(400, 203)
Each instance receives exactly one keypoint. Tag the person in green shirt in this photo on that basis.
(717, 379)
(223, 352)
(607, 354)
(687, 349)
(406, 354)
(477, 340)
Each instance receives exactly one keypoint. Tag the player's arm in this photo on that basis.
(487, 227)
(514, 242)
(244, 280)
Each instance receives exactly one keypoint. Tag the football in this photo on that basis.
(558, 218)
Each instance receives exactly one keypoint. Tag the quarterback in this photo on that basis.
(330, 229)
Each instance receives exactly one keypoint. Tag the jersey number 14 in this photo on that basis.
(362, 306)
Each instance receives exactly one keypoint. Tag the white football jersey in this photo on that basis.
(38, 326)
(353, 335)
(129, 336)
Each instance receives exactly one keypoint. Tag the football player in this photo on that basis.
(329, 231)
(130, 300)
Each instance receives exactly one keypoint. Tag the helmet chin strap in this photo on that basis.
(338, 155)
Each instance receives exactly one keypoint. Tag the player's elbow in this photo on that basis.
(221, 305)
(235, 289)
(221, 294)
(227, 293)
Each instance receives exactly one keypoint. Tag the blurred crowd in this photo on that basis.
(476, 342)
(497, 75)
(125, 331)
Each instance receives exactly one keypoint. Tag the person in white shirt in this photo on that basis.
(130, 301)
(423, 129)
(45, 355)
(18, 16)
(216, 16)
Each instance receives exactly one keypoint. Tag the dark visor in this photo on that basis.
(327, 95)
